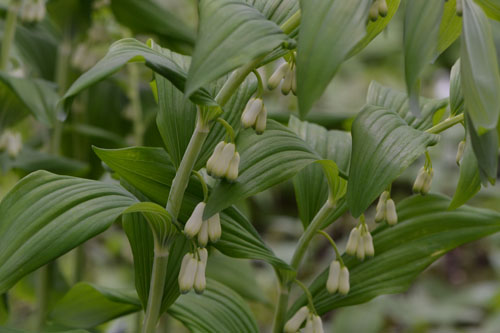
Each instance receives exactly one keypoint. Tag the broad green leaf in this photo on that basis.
(147, 16)
(311, 187)
(383, 146)
(230, 34)
(151, 172)
(421, 34)
(219, 309)
(469, 182)
(450, 28)
(373, 29)
(130, 50)
(491, 8)
(266, 160)
(456, 94)
(485, 148)
(23, 96)
(397, 101)
(46, 215)
(426, 230)
(479, 69)
(329, 30)
(277, 11)
(4, 309)
(87, 305)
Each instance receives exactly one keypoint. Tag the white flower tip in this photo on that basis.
(203, 234)
(187, 273)
(332, 283)
(391, 215)
(317, 324)
(200, 282)
(352, 243)
(195, 221)
(344, 284)
(214, 228)
(294, 323)
(368, 245)
(233, 169)
(260, 124)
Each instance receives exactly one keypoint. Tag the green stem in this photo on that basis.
(260, 84)
(156, 289)
(135, 100)
(308, 295)
(332, 242)
(444, 125)
(42, 296)
(203, 185)
(8, 33)
(280, 313)
(293, 22)
(229, 129)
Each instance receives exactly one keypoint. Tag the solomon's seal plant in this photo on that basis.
(180, 205)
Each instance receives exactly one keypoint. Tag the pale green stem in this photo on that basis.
(42, 296)
(332, 243)
(293, 22)
(308, 295)
(156, 289)
(444, 125)
(9, 33)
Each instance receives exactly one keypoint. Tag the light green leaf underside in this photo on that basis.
(329, 30)
(421, 34)
(383, 146)
(397, 101)
(131, 50)
(230, 34)
(266, 160)
(456, 94)
(469, 182)
(450, 28)
(311, 187)
(151, 172)
(46, 215)
(479, 68)
(426, 231)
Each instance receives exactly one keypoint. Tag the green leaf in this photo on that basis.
(231, 34)
(479, 69)
(469, 182)
(218, 309)
(456, 94)
(329, 30)
(397, 101)
(147, 16)
(421, 34)
(130, 50)
(490, 8)
(383, 146)
(426, 230)
(266, 160)
(277, 11)
(151, 172)
(23, 96)
(46, 215)
(4, 309)
(311, 187)
(450, 28)
(373, 29)
(86, 305)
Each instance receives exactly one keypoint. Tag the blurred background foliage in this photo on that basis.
(458, 293)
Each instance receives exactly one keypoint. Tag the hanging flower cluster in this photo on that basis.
(224, 162)
(33, 10)
(360, 242)
(423, 181)
(386, 209)
(378, 8)
(313, 322)
(192, 273)
(338, 278)
(205, 229)
(286, 72)
(255, 115)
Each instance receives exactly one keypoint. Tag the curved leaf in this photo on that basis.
(398, 101)
(491, 8)
(130, 50)
(421, 34)
(231, 34)
(277, 11)
(329, 30)
(456, 94)
(266, 160)
(46, 215)
(426, 230)
(450, 28)
(479, 69)
(383, 146)
(218, 309)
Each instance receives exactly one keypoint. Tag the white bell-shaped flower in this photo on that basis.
(233, 169)
(390, 212)
(200, 282)
(260, 124)
(203, 234)
(278, 75)
(368, 244)
(460, 151)
(332, 283)
(252, 110)
(225, 157)
(352, 243)
(344, 284)
(214, 157)
(195, 221)
(187, 273)
(317, 324)
(294, 323)
(214, 228)
(286, 86)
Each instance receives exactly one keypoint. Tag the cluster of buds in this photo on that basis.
(460, 151)
(360, 243)
(286, 72)
(386, 209)
(192, 273)
(11, 142)
(338, 278)
(255, 115)
(205, 229)
(313, 322)
(33, 10)
(224, 162)
(378, 8)
(423, 181)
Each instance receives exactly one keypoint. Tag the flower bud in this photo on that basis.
(286, 86)
(428, 181)
(203, 234)
(360, 249)
(344, 285)
(294, 323)
(260, 125)
(200, 282)
(11, 142)
(380, 211)
(195, 221)
(390, 212)
(382, 8)
(373, 14)
(215, 156)
(460, 151)
(277, 76)
(420, 180)
(317, 324)
(294, 82)
(40, 15)
(353, 241)
(252, 110)
(309, 328)
(232, 170)
(214, 228)
(332, 283)
(368, 244)
(187, 273)
(222, 164)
